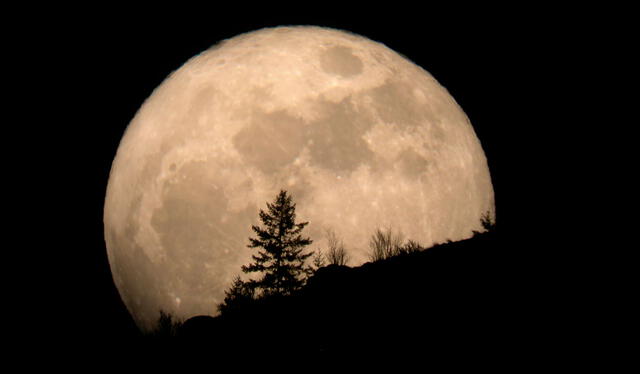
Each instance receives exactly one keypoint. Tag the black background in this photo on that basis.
(100, 65)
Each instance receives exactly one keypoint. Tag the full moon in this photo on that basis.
(361, 138)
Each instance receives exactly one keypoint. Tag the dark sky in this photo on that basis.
(104, 65)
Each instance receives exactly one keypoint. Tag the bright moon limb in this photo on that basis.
(361, 137)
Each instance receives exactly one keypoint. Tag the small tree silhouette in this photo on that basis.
(166, 326)
(280, 259)
(487, 222)
(336, 254)
(237, 297)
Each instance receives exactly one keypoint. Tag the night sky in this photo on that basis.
(106, 64)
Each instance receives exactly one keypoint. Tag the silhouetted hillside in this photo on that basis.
(453, 294)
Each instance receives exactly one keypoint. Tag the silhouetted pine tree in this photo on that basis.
(280, 259)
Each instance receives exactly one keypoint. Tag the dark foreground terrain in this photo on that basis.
(462, 296)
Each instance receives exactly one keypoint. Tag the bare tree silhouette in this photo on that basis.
(318, 260)
(336, 253)
(385, 244)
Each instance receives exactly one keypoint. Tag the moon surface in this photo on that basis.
(360, 136)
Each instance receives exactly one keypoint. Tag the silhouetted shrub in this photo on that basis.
(385, 244)
(409, 247)
(239, 296)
